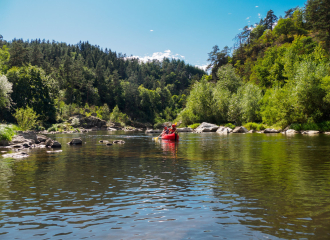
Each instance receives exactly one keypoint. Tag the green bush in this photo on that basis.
(230, 125)
(255, 126)
(323, 126)
(26, 118)
(118, 116)
(6, 132)
(195, 125)
(53, 128)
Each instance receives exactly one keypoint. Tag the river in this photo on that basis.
(206, 186)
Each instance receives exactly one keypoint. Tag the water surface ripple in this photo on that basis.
(244, 186)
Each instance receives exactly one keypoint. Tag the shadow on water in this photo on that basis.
(251, 186)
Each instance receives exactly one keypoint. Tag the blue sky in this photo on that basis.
(186, 29)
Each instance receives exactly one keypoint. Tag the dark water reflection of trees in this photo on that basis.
(275, 184)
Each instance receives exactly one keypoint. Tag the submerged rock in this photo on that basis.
(76, 141)
(16, 155)
(118, 142)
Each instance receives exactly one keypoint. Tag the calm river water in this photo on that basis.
(206, 186)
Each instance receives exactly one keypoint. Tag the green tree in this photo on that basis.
(5, 91)
(318, 19)
(26, 118)
(30, 88)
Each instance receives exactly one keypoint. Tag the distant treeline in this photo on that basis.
(45, 75)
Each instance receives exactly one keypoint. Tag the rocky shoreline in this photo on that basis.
(25, 141)
(209, 127)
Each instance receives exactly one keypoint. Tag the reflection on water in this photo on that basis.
(251, 186)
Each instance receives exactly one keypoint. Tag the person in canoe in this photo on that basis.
(173, 129)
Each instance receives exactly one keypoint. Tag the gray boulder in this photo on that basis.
(270, 130)
(185, 129)
(41, 138)
(240, 130)
(206, 127)
(310, 132)
(224, 130)
(291, 131)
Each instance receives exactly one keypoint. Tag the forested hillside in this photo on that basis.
(53, 78)
(277, 72)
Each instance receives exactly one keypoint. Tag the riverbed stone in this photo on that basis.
(118, 142)
(224, 130)
(56, 144)
(4, 143)
(271, 130)
(206, 127)
(240, 129)
(310, 132)
(17, 155)
(291, 131)
(186, 129)
(76, 141)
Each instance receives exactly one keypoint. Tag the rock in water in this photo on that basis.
(76, 141)
(240, 130)
(224, 130)
(206, 127)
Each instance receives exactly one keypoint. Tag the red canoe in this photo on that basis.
(172, 136)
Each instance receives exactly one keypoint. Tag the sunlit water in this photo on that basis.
(206, 186)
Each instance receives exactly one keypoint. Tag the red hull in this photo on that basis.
(172, 136)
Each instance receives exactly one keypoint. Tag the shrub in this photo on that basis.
(75, 122)
(255, 126)
(118, 116)
(230, 125)
(53, 128)
(26, 118)
(195, 125)
(6, 132)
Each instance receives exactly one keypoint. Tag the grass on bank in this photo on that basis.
(7, 131)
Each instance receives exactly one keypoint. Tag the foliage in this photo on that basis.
(117, 116)
(75, 122)
(26, 118)
(322, 126)
(5, 90)
(254, 126)
(30, 88)
(230, 125)
(7, 132)
(194, 126)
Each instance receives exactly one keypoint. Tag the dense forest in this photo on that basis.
(277, 73)
(53, 78)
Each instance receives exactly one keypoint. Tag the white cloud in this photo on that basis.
(151, 30)
(159, 56)
(248, 18)
(229, 13)
(257, 6)
(203, 67)
(259, 15)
